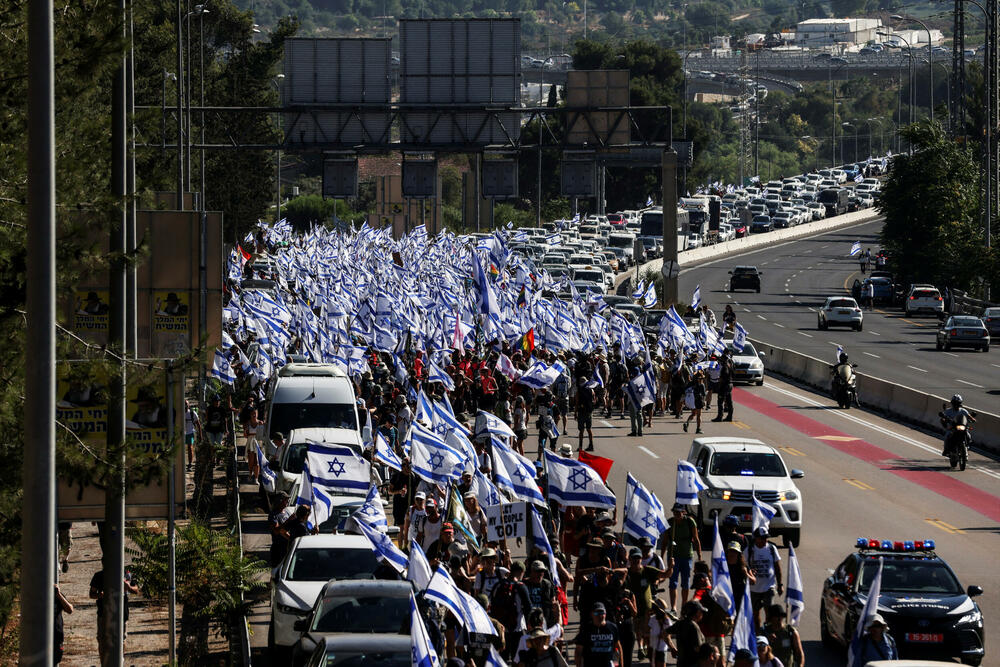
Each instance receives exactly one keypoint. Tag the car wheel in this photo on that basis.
(791, 537)
(938, 346)
(270, 637)
(947, 347)
(860, 326)
(758, 290)
(819, 325)
(907, 313)
(986, 348)
(760, 382)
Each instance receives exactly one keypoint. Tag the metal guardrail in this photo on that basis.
(233, 482)
(807, 61)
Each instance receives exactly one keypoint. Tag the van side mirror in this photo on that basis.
(761, 354)
(797, 474)
(973, 591)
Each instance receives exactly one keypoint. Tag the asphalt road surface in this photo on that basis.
(865, 476)
(797, 276)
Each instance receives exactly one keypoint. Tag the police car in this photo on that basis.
(929, 614)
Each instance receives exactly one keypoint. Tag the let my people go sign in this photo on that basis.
(506, 521)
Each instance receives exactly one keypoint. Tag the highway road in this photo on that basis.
(797, 276)
(865, 476)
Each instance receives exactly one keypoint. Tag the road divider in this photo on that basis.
(893, 400)
(691, 258)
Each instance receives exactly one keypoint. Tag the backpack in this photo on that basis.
(503, 604)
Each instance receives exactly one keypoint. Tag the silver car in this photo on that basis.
(840, 311)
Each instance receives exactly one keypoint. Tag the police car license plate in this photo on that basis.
(925, 637)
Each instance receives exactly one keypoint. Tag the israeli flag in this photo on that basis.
(794, 591)
(436, 374)
(855, 248)
(419, 570)
(385, 454)
(640, 290)
(421, 649)
(425, 409)
(486, 492)
(494, 659)
(574, 483)
(762, 513)
(858, 177)
(576, 218)
(540, 375)
(722, 587)
(739, 338)
(840, 351)
(553, 239)
(540, 539)
(383, 547)
(222, 369)
(867, 614)
(371, 512)
(316, 497)
(366, 430)
(338, 468)
(267, 476)
(595, 381)
(487, 423)
(515, 475)
(649, 201)
(432, 460)
(689, 483)
(649, 300)
(465, 608)
(696, 297)
(744, 635)
(644, 515)
(520, 236)
(641, 389)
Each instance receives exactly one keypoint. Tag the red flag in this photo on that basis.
(601, 465)
(243, 253)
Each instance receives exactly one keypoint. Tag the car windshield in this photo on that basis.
(925, 294)
(363, 615)
(843, 303)
(377, 658)
(653, 318)
(748, 350)
(331, 563)
(747, 464)
(744, 271)
(288, 416)
(966, 322)
(911, 576)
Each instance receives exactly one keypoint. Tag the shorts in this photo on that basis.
(189, 439)
(661, 657)
(713, 386)
(762, 600)
(681, 573)
(662, 391)
(216, 438)
(585, 421)
(562, 405)
(521, 433)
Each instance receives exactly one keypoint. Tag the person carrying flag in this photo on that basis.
(786, 644)
(680, 543)
(875, 644)
(765, 563)
(584, 414)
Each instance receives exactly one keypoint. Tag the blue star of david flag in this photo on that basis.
(267, 476)
(314, 496)
(514, 474)
(425, 409)
(222, 369)
(855, 248)
(644, 516)
(696, 297)
(432, 459)
(338, 468)
(649, 201)
(436, 374)
(466, 608)
(722, 586)
(383, 547)
(371, 511)
(419, 570)
(385, 454)
(739, 338)
(794, 591)
(649, 298)
(744, 635)
(762, 513)
(867, 613)
(576, 483)
(540, 539)
(640, 290)
(689, 483)
(421, 649)
(487, 423)
(595, 381)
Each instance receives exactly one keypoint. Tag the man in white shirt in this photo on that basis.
(765, 563)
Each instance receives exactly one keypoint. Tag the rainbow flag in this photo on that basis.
(522, 298)
(528, 340)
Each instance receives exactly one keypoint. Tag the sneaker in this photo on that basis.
(696, 430)
(590, 449)
(642, 653)
(65, 566)
(685, 427)
(717, 419)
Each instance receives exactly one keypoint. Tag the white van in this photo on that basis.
(311, 396)
(293, 455)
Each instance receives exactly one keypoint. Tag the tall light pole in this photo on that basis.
(852, 125)
(541, 128)
(197, 11)
(180, 107)
(869, 121)
(930, 55)
(833, 107)
(912, 96)
(277, 161)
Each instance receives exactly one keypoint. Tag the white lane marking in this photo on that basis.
(806, 251)
(648, 452)
(951, 354)
(762, 317)
(803, 333)
(874, 333)
(747, 310)
(833, 343)
(873, 355)
(971, 384)
(779, 325)
(997, 365)
(824, 246)
(991, 473)
(608, 424)
(857, 420)
(729, 296)
(917, 369)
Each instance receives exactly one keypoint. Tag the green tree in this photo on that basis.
(930, 200)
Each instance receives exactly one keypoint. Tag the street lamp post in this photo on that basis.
(198, 10)
(833, 107)
(277, 160)
(869, 122)
(167, 76)
(912, 96)
(852, 125)
(541, 127)
(930, 56)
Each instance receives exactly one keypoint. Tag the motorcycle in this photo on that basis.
(845, 385)
(957, 439)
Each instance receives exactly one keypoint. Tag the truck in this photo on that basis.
(699, 216)
(651, 225)
(835, 200)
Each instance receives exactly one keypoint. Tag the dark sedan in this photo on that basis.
(963, 331)
(991, 318)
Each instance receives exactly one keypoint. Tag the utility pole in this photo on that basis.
(670, 270)
(38, 545)
(957, 91)
(113, 533)
(180, 107)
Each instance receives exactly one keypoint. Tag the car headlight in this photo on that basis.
(292, 611)
(788, 495)
(718, 494)
(972, 617)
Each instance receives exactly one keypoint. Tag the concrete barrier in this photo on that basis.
(893, 400)
(691, 258)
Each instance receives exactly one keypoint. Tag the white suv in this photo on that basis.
(310, 563)
(923, 299)
(840, 311)
(736, 469)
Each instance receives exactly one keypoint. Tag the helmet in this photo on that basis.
(956, 400)
(843, 358)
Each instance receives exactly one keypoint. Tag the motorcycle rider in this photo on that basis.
(950, 416)
(835, 371)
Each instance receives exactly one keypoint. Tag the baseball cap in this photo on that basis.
(565, 449)
(598, 607)
(876, 620)
(420, 495)
(762, 641)
(761, 532)
(645, 542)
(446, 527)
(731, 520)
(692, 606)
(744, 654)
(469, 494)
(608, 533)
(281, 495)
(635, 553)
(678, 508)
(735, 546)
(431, 503)
(277, 435)
(603, 516)
(596, 544)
